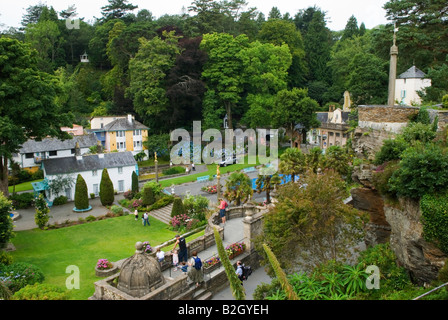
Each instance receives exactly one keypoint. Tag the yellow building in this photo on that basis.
(123, 134)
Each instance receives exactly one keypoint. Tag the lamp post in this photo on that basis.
(156, 162)
(218, 186)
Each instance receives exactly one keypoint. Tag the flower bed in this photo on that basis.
(211, 264)
(105, 268)
(210, 189)
(235, 249)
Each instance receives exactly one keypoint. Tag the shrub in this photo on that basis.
(117, 210)
(390, 150)
(19, 274)
(6, 224)
(423, 169)
(81, 197)
(92, 196)
(148, 196)
(418, 132)
(40, 291)
(178, 207)
(41, 217)
(60, 200)
(134, 182)
(196, 206)
(22, 200)
(162, 202)
(179, 221)
(381, 176)
(90, 218)
(155, 186)
(5, 258)
(173, 170)
(435, 219)
(106, 189)
(128, 194)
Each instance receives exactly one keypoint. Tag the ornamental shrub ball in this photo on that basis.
(178, 207)
(81, 195)
(6, 224)
(106, 189)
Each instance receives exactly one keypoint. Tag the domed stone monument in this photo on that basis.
(140, 274)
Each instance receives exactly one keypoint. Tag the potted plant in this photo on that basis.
(211, 264)
(105, 268)
(235, 249)
(147, 247)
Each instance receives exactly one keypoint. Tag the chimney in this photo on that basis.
(99, 149)
(130, 119)
(78, 152)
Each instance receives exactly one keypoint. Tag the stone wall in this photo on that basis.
(381, 117)
(421, 258)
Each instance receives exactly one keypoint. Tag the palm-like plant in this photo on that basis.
(238, 188)
(354, 279)
(292, 162)
(267, 183)
(314, 159)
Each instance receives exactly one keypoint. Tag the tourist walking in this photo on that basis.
(222, 210)
(146, 219)
(183, 252)
(187, 169)
(136, 214)
(192, 167)
(195, 273)
(239, 271)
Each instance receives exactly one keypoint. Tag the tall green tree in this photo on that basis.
(368, 79)
(351, 28)
(422, 24)
(27, 104)
(236, 287)
(81, 194)
(312, 225)
(106, 189)
(148, 70)
(222, 71)
(116, 9)
(293, 107)
(279, 32)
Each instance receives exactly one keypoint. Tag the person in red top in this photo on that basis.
(222, 210)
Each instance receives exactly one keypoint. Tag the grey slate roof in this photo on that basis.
(88, 163)
(124, 124)
(412, 73)
(53, 144)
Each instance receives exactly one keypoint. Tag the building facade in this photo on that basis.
(119, 133)
(32, 152)
(408, 84)
(120, 166)
(332, 130)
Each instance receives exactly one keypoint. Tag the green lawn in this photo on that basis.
(25, 186)
(82, 245)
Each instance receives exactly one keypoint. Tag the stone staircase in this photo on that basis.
(162, 214)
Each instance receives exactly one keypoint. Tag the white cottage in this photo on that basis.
(32, 152)
(408, 84)
(120, 166)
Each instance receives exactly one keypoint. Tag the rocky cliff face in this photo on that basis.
(400, 225)
(421, 258)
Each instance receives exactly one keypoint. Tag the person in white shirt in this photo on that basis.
(160, 255)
